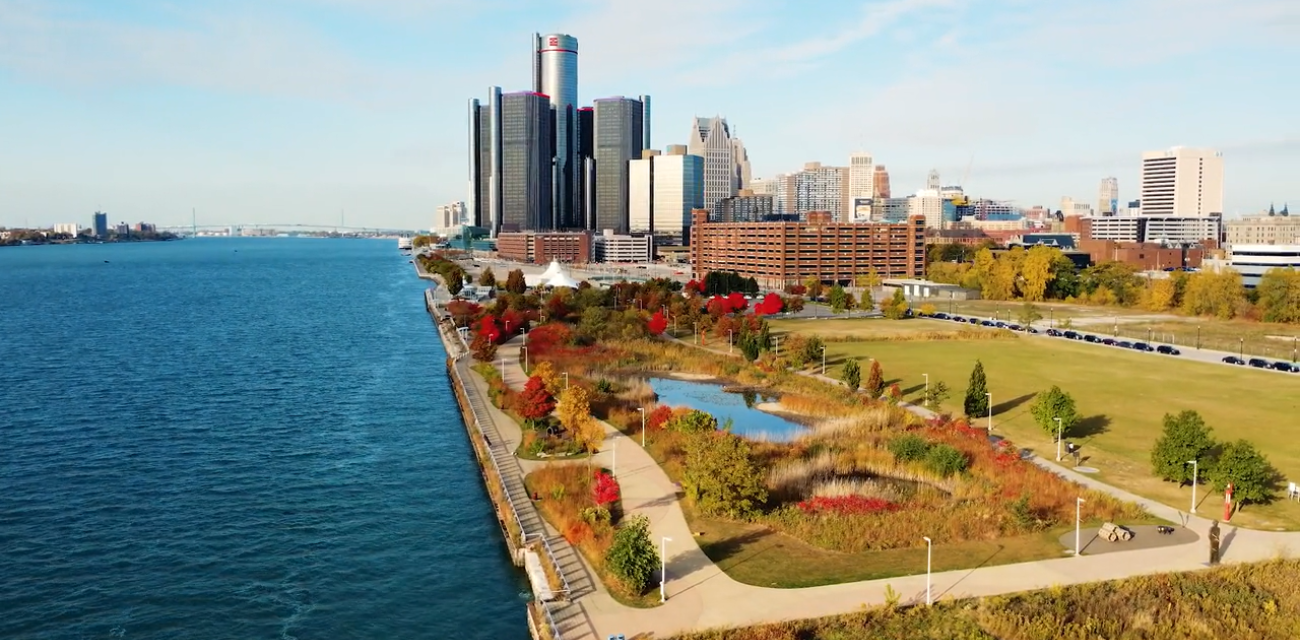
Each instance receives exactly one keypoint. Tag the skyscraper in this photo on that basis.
(862, 173)
(587, 168)
(663, 190)
(619, 135)
(1108, 197)
(526, 177)
(932, 181)
(741, 159)
(710, 139)
(1182, 182)
(880, 182)
(101, 224)
(555, 75)
(822, 188)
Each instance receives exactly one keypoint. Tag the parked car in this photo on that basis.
(1233, 360)
(1142, 346)
(1030, 330)
(974, 321)
(1091, 338)
(1124, 344)
(1258, 363)
(1108, 341)
(1283, 366)
(1167, 350)
(941, 316)
(1014, 327)
(986, 323)
(1073, 335)
(1054, 333)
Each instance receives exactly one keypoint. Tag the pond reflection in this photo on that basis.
(740, 408)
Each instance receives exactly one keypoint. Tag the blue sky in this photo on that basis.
(294, 110)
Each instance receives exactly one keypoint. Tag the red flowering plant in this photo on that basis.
(605, 490)
(489, 329)
(658, 418)
(771, 304)
(847, 505)
(657, 323)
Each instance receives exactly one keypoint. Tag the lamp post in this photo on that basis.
(642, 410)
(1198, 337)
(1060, 433)
(525, 350)
(776, 340)
(1295, 342)
(929, 554)
(1051, 318)
(503, 369)
(663, 568)
(1078, 523)
(990, 396)
(1116, 319)
(927, 389)
(729, 346)
(1196, 472)
(566, 379)
(613, 465)
(697, 331)
(823, 360)
(1241, 350)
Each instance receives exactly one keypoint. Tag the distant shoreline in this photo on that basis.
(76, 242)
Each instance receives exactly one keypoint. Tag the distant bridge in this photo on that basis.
(289, 226)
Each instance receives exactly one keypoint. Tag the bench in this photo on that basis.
(1112, 532)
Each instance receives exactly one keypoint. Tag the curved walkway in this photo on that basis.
(701, 596)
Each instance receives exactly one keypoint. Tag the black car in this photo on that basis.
(1000, 325)
(1014, 327)
(941, 316)
(1054, 333)
(1073, 335)
(1142, 346)
(974, 321)
(1258, 363)
(1167, 350)
(1091, 338)
(1124, 344)
(1108, 341)
(1283, 366)
(1032, 330)
(1233, 360)
(986, 323)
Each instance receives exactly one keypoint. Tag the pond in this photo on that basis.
(746, 420)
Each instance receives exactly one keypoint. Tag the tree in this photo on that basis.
(977, 400)
(657, 323)
(1253, 478)
(896, 308)
(868, 301)
(1185, 437)
(535, 401)
(483, 349)
(794, 304)
(869, 279)
(1218, 294)
(693, 421)
(550, 377)
(1029, 314)
(605, 490)
(1161, 295)
(837, 298)
(771, 304)
(936, 394)
(814, 287)
(1279, 295)
(1036, 272)
(632, 557)
(721, 475)
(1052, 404)
(515, 282)
(875, 380)
(812, 349)
(851, 375)
(487, 278)
(928, 309)
(574, 412)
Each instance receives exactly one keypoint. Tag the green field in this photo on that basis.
(1121, 395)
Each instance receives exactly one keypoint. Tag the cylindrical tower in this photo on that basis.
(557, 67)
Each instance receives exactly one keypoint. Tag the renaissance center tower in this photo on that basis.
(555, 75)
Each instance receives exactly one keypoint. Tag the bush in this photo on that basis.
(909, 448)
(946, 460)
(632, 558)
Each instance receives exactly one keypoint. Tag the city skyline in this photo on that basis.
(295, 110)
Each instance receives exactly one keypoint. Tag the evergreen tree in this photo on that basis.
(851, 375)
(977, 400)
(875, 380)
(632, 557)
(487, 278)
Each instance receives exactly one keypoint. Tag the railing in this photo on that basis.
(491, 458)
(550, 553)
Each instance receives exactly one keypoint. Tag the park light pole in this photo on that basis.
(566, 379)
(1078, 523)
(1196, 472)
(990, 396)
(927, 389)
(1198, 337)
(1241, 350)
(503, 369)
(823, 360)
(642, 411)
(1116, 319)
(1060, 433)
(697, 331)
(613, 465)
(663, 568)
(729, 346)
(1051, 318)
(929, 554)
(525, 350)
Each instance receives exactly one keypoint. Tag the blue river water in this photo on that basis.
(236, 438)
(746, 420)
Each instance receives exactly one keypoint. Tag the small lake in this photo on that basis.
(746, 420)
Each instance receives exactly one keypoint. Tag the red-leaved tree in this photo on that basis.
(489, 329)
(605, 490)
(737, 301)
(657, 323)
(694, 287)
(534, 402)
(772, 303)
(658, 418)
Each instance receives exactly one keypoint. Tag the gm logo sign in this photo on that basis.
(553, 42)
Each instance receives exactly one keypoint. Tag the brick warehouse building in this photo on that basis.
(780, 253)
(542, 247)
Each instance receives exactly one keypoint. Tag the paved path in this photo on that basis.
(702, 596)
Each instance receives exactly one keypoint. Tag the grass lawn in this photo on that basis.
(756, 555)
(1122, 397)
(869, 328)
(1008, 310)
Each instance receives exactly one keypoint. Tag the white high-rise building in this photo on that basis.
(1182, 182)
(928, 203)
(1108, 197)
(932, 181)
(662, 191)
(70, 228)
(450, 216)
(862, 176)
(711, 140)
(822, 188)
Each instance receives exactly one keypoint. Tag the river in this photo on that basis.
(236, 438)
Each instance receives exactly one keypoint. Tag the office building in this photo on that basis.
(1073, 208)
(450, 216)
(1108, 197)
(70, 228)
(880, 182)
(862, 176)
(1147, 256)
(525, 152)
(662, 192)
(822, 188)
(555, 75)
(1113, 228)
(710, 138)
(891, 210)
(587, 168)
(483, 199)
(145, 227)
(932, 180)
(101, 224)
(616, 247)
(741, 158)
(1182, 182)
(619, 134)
(745, 206)
(1164, 230)
(1269, 228)
(928, 204)
(780, 253)
(542, 247)
(1252, 261)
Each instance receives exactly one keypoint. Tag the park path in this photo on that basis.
(701, 596)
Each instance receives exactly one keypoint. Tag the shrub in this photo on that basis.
(658, 418)
(946, 460)
(851, 375)
(605, 490)
(693, 421)
(909, 448)
(847, 505)
(632, 558)
(722, 476)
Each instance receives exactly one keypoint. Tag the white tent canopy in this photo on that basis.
(553, 270)
(562, 280)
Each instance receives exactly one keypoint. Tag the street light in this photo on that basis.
(990, 395)
(929, 553)
(566, 379)
(1198, 337)
(1196, 471)
(729, 348)
(503, 369)
(776, 340)
(927, 389)
(823, 360)
(1078, 523)
(697, 331)
(663, 568)
(525, 350)
(613, 465)
(642, 410)
(1241, 351)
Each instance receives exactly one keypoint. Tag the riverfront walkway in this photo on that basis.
(701, 596)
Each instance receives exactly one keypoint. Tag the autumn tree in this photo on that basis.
(1218, 294)
(632, 557)
(550, 377)
(535, 402)
(868, 302)
(1052, 404)
(483, 349)
(875, 380)
(515, 282)
(657, 323)
(487, 278)
(1279, 295)
(1036, 273)
(813, 348)
(814, 287)
(1161, 295)
(574, 412)
(722, 476)
(1185, 437)
(851, 375)
(1029, 314)
(605, 489)
(896, 308)
(794, 304)
(1253, 478)
(977, 400)
(928, 309)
